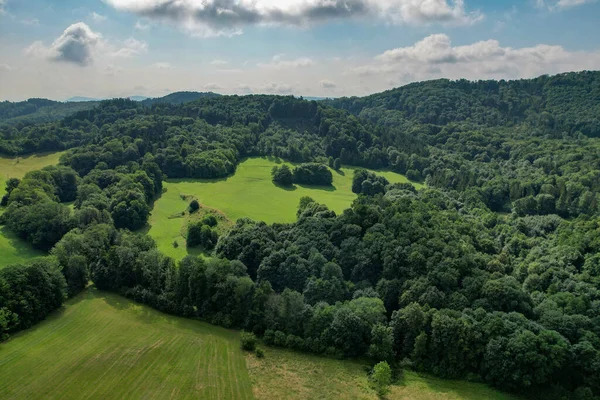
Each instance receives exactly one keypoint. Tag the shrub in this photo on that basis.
(210, 220)
(248, 341)
(269, 337)
(194, 205)
(381, 378)
(280, 339)
(260, 353)
(175, 244)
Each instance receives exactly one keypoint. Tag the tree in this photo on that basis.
(337, 164)
(381, 378)
(194, 206)
(382, 343)
(282, 175)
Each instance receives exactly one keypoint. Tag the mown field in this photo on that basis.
(248, 193)
(12, 249)
(103, 346)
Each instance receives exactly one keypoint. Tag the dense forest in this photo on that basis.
(490, 273)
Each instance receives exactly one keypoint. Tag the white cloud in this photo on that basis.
(131, 47)
(2, 4)
(278, 62)
(141, 26)
(79, 45)
(327, 84)
(219, 62)
(228, 17)
(5, 67)
(162, 65)
(76, 45)
(561, 4)
(434, 56)
(97, 17)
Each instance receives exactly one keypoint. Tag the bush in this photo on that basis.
(282, 175)
(269, 337)
(175, 244)
(260, 353)
(381, 378)
(210, 220)
(194, 205)
(313, 174)
(248, 341)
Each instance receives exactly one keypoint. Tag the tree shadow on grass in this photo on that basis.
(274, 159)
(340, 172)
(330, 188)
(288, 188)
(21, 246)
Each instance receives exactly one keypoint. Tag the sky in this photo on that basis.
(329, 48)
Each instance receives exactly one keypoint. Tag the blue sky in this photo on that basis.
(105, 48)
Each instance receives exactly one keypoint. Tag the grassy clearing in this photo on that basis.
(12, 249)
(103, 346)
(284, 374)
(248, 193)
(18, 167)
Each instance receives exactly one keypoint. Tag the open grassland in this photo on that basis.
(102, 346)
(284, 374)
(12, 249)
(248, 193)
(18, 167)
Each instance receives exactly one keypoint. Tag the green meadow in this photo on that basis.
(12, 249)
(248, 193)
(284, 374)
(102, 346)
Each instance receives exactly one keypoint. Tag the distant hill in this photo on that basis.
(80, 99)
(138, 98)
(179, 98)
(34, 111)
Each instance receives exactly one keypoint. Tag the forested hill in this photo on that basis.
(179, 98)
(567, 102)
(435, 279)
(35, 111)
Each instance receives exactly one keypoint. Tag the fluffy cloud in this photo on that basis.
(76, 45)
(278, 62)
(434, 56)
(79, 45)
(5, 67)
(2, 4)
(228, 17)
(219, 62)
(326, 84)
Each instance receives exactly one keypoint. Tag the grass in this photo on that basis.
(103, 346)
(284, 374)
(248, 193)
(426, 387)
(12, 249)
